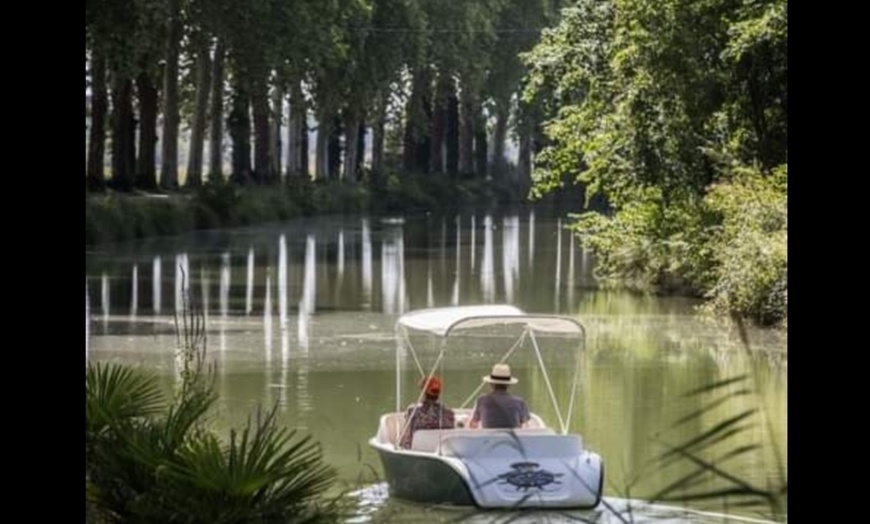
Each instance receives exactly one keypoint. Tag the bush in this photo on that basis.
(149, 458)
(119, 217)
(751, 246)
(730, 246)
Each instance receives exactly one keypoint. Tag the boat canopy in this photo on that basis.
(442, 321)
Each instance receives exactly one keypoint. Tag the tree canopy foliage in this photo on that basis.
(676, 112)
(665, 111)
(439, 71)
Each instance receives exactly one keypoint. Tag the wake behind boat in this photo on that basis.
(535, 466)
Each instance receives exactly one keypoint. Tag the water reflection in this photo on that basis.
(182, 281)
(87, 321)
(454, 297)
(531, 236)
(267, 325)
(155, 285)
(134, 301)
(283, 317)
(510, 250)
(473, 241)
(104, 300)
(205, 282)
(571, 271)
(307, 307)
(282, 283)
(249, 288)
(487, 269)
(393, 271)
(644, 351)
(340, 262)
(366, 265)
(558, 292)
(224, 302)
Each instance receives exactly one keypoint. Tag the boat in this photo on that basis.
(535, 466)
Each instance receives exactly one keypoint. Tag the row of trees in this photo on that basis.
(435, 82)
(675, 111)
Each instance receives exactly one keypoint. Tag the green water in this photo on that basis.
(303, 314)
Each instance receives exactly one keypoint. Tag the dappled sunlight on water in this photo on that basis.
(372, 503)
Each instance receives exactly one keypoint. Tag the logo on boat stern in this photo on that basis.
(529, 475)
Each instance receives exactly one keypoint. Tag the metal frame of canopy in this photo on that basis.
(442, 322)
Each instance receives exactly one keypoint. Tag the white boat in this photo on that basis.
(538, 466)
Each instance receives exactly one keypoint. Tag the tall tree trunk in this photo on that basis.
(360, 148)
(452, 138)
(292, 134)
(197, 132)
(439, 122)
(217, 115)
(169, 164)
(378, 139)
(499, 164)
(297, 136)
(260, 110)
(334, 149)
(480, 145)
(146, 164)
(295, 114)
(351, 147)
(239, 124)
(524, 167)
(466, 131)
(99, 106)
(123, 134)
(324, 130)
(275, 131)
(417, 122)
(303, 146)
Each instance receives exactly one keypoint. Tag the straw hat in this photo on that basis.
(501, 374)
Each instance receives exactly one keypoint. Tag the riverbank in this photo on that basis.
(116, 217)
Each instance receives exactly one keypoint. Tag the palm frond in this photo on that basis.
(115, 393)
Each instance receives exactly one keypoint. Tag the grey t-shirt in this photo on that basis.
(500, 409)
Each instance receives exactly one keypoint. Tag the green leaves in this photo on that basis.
(115, 394)
(711, 452)
(751, 246)
(657, 106)
(150, 460)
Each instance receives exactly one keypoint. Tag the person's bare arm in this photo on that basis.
(474, 419)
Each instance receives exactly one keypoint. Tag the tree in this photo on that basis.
(169, 162)
(649, 104)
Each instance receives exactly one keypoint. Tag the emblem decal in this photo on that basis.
(529, 475)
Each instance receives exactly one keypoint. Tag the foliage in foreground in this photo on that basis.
(676, 113)
(711, 452)
(151, 458)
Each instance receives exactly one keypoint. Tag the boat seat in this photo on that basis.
(392, 427)
(534, 444)
(428, 439)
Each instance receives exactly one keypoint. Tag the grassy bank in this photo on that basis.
(115, 217)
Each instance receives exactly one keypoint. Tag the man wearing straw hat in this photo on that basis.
(500, 409)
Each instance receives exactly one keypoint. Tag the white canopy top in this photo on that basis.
(440, 321)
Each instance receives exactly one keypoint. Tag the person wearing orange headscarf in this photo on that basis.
(428, 414)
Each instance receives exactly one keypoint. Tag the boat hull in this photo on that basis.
(497, 471)
(423, 478)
